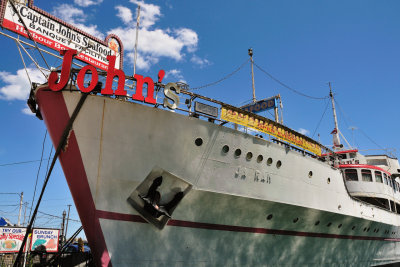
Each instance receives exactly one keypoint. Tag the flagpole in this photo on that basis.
(136, 42)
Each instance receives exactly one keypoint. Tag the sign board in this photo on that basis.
(11, 239)
(56, 34)
(47, 238)
(206, 109)
(267, 126)
(260, 105)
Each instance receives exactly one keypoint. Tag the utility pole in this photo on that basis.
(62, 226)
(20, 208)
(66, 228)
(26, 205)
(252, 73)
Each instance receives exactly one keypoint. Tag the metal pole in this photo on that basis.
(136, 42)
(20, 208)
(334, 116)
(252, 74)
(66, 227)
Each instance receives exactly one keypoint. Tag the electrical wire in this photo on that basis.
(288, 87)
(222, 79)
(21, 162)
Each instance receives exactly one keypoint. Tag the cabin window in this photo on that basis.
(390, 182)
(343, 156)
(351, 175)
(352, 155)
(378, 177)
(366, 175)
(385, 178)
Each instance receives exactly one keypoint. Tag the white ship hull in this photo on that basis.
(239, 212)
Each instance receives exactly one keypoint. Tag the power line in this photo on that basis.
(222, 79)
(21, 162)
(288, 87)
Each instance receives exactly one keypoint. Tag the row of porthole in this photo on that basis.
(310, 174)
(249, 156)
(238, 152)
(376, 230)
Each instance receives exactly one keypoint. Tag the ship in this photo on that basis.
(187, 180)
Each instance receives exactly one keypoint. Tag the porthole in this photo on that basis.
(339, 207)
(365, 229)
(328, 180)
(198, 142)
(352, 228)
(377, 230)
(278, 164)
(368, 229)
(295, 220)
(249, 156)
(316, 223)
(329, 224)
(260, 158)
(225, 149)
(238, 152)
(309, 174)
(269, 217)
(269, 161)
(340, 225)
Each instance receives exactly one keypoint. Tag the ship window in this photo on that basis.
(366, 175)
(278, 164)
(249, 156)
(385, 178)
(390, 182)
(269, 161)
(260, 158)
(198, 142)
(225, 148)
(351, 175)
(378, 177)
(352, 155)
(343, 156)
(238, 152)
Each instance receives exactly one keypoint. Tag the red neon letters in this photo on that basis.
(111, 73)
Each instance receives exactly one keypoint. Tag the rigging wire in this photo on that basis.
(288, 87)
(323, 114)
(28, 32)
(369, 138)
(222, 79)
(37, 175)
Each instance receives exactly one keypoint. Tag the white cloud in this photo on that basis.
(86, 3)
(27, 111)
(304, 131)
(188, 37)
(176, 74)
(17, 85)
(125, 14)
(76, 17)
(149, 13)
(199, 61)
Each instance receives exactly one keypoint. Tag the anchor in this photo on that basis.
(153, 197)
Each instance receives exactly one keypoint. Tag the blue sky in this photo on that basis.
(304, 44)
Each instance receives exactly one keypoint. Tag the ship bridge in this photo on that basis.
(374, 179)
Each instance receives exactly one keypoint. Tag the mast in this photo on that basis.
(335, 132)
(252, 73)
(136, 42)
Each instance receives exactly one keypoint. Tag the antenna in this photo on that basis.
(252, 73)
